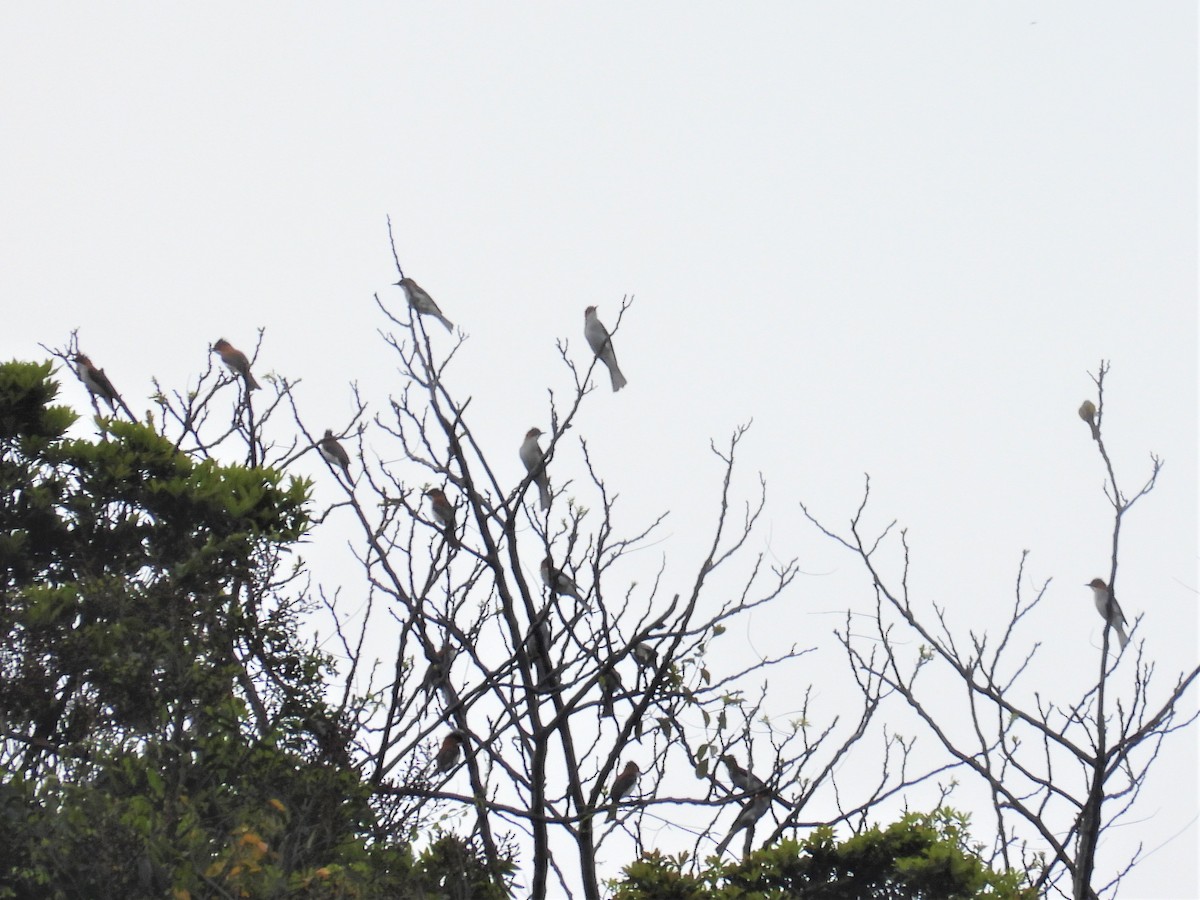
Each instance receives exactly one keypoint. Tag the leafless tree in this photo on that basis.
(1060, 771)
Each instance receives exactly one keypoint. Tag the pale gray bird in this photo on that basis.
(1087, 412)
(535, 463)
(419, 299)
(1109, 609)
(600, 341)
(559, 581)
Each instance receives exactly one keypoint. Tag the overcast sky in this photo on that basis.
(897, 237)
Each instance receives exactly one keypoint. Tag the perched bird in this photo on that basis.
(623, 785)
(1087, 412)
(444, 513)
(610, 684)
(645, 655)
(420, 300)
(236, 361)
(601, 343)
(537, 648)
(741, 778)
(333, 451)
(438, 673)
(754, 810)
(450, 752)
(559, 581)
(1110, 609)
(95, 381)
(535, 464)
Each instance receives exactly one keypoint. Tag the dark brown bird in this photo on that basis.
(443, 511)
(450, 752)
(419, 299)
(741, 778)
(438, 673)
(333, 451)
(236, 361)
(622, 786)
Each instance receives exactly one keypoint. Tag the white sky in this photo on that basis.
(896, 236)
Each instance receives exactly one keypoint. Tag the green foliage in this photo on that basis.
(164, 728)
(920, 857)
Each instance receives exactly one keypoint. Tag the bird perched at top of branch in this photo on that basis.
(559, 581)
(600, 341)
(623, 785)
(443, 511)
(419, 299)
(95, 381)
(1109, 608)
(742, 779)
(333, 451)
(535, 463)
(1087, 412)
(236, 361)
(450, 751)
(754, 810)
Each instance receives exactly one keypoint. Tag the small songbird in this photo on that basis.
(1087, 412)
(1106, 602)
(559, 581)
(621, 786)
(537, 647)
(754, 810)
(444, 513)
(742, 779)
(645, 655)
(439, 668)
(535, 463)
(95, 381)
(450, 752)
(236, 361)
(601, 343)
(420, 300)
(610, 683)
(333, 451)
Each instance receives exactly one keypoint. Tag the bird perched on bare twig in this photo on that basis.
(754, 810)
(1087, 412)
(450, 751)
(419, 299)
(610, 683)
(333, 451)
(95, 381)
(535, 463)
(443, 511)
(559, 581)
(622, 786)
(236, 361)
(742, 779)
(600, 341)
(438, 674)
(645, 655)
(537, 648)
(1110, 609)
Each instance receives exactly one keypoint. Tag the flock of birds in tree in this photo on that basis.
(757, 794)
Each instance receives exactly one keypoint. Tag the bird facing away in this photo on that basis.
(444, 513)
(610, 683)
(754, 810)
(95, 381)
(742, 779)
(450, 751)
(535, 463)
(1087, 412)
(438, 673)
(601, 343)
(1106, 602)
(623, 785)
(420, 300)
(333, 451)
(537, 648)
(236, 361)
(559, 581)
